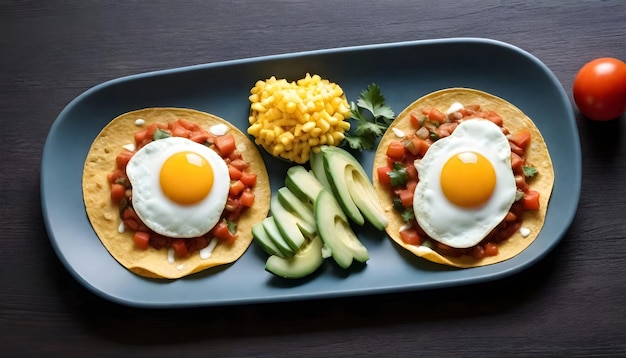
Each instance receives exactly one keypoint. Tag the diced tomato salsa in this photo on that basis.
(401, 177)
(240, 197)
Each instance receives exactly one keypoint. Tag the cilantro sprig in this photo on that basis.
(372, 116)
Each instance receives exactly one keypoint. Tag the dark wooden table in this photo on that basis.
(572, 303)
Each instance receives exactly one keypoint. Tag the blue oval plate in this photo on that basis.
(405, 71)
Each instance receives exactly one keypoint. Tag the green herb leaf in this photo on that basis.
(373, 100)
(529, 171)
(408, 215)
(372, 117)
(232, 226)
(160, 134)
(398, 175)
(361, 143)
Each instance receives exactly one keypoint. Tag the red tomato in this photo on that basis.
(600, 89)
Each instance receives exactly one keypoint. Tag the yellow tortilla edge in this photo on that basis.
(103, 214)
(537, 155)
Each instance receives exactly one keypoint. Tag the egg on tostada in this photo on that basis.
(464, 177)
(174, 191)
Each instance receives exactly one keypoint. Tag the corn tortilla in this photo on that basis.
(104, 217)
(536, 155)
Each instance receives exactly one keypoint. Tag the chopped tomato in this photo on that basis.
(406, 196)
(410, 237)
(410, 186)
(516, 161)
(240, 164)
(491, 249)
(118, 192)
(415, 120)
(225, 144)
(141, 136)
(122, 159)
(435, 115)
(247, 198)
(190, 126)
(199, 137)
(180, 248)
(521, 138)
(493, 116)
(115, 175)
(248, 179)
(520, 182)
(221, 232)
(411, 171)
(383, 175)
(141, 240)
(236, 187)
(180, 132)
(234, 173)
(396, 150)
(531, 200)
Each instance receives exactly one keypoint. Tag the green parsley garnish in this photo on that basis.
(372, 117)
(529, 171)
(398, 175)
(232, 226)
(160, 134)
(408, 215)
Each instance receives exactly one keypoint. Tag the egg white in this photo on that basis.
(156, 210)
(446, 222)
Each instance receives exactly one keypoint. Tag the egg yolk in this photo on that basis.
(468, 179)
(186, 178)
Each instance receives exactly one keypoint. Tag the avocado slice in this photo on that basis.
(353, 188)
(317, 167)
(269, 224)
(287, 224)
(303, 184)
(262, 238)
(302, 213)
(335, 231)
(303, 263)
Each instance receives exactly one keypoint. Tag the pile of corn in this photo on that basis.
(291, 119)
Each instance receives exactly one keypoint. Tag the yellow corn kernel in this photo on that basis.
(339, 136)
(323, 125)
(328, 107)
(327, 117)
(344, 125)
(308, 126)
(313, 142)
(297, 130)
(290, 107)
(315, 132)
(330, 140)
(258, 107)
(278, 148)
(322, 139)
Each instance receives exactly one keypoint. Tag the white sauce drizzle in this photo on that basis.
(207, 251)
(180, 267)
(219, 129)
(404, 227)
(129, 147)
(121, 228)
(139, 122)
(170, 256)
(524, 231)
(398, 132)
(454, 107)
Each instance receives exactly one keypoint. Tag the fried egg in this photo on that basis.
(179, 187)
(466, 185)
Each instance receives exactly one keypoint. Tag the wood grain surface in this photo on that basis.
(572, 303)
